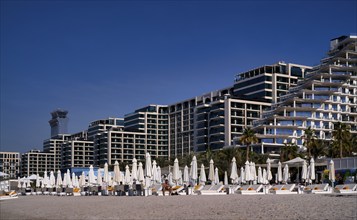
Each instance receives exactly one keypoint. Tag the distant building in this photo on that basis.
(59, 122)
(54, 146)
(10, 163)
(37, 162)
(101, 125)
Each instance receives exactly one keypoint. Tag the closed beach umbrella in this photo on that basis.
(52, 179)
(186, 177)
(308, 175)
(253, 172)
(91, 176)
(134, 169)
(110, 181)
(234, 172)
(141, 172)
(247, 171)
(312, 167)
(127, 178)
(24, 184)
(265, 177)
(269, 174)
(64, 180)
(169, 177)
(225, 178)
(18, 183)
(216, 176)
(69, 180)
(117, 174)
(148, 171)
(280, 173)
(154, 172)
(159, 174)
(38, 184)
(59, 179)
(74, 181)
(82, 181)
(286, 173)
(194, 169)
(99, 178)
(180, 179)
(304, 171)
(176, 170)
(203, 178)
(260, 175)
(242, 175)
(211, 171)
(106, 173)
(45, 179)
(332, 172)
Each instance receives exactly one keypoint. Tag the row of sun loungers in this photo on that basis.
(258, 189)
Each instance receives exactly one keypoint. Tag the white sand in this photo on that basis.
(182, 207)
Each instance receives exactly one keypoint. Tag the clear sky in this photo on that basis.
(100, 59)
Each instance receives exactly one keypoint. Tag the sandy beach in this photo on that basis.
(182, 207)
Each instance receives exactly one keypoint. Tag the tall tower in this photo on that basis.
(58, 122)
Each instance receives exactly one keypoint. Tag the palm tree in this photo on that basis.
(309, 136)
(289, 151)
(341, 135)
(319, 148)
(248, 138)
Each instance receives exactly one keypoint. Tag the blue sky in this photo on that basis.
(100, 59)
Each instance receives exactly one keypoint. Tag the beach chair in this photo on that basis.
(45, 191)
(38, 191)
(119, 189)
(284, 189)
(52, 192)
(69, 191)
(213, 190)
(231, 189)
(205, 187)
(61, 191)
(197, 188)
(84, 191)
(317, 189)
(28, 191)
(346, 188)
(251, 190)
(138, 189)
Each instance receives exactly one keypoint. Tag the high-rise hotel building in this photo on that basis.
(217, 119)
(145, 130)
(326, 95)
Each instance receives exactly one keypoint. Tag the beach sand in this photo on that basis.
(182, 207)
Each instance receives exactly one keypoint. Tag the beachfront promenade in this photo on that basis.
(299, 206)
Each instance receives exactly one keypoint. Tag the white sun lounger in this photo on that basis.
(213, 190)
(346, 188)
(317, 189)
(251, 190)
(283, 189)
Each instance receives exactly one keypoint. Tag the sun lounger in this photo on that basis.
(346, 188)
(28, 191)
(69, 191)
(251, 190)
(61, 191)
(317, 189)
(45, 191)
(283, 189)
(213, 190)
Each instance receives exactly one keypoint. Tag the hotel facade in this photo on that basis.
(278, 101)
(326, 95)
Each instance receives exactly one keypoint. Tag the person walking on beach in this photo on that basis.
(166, 186)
